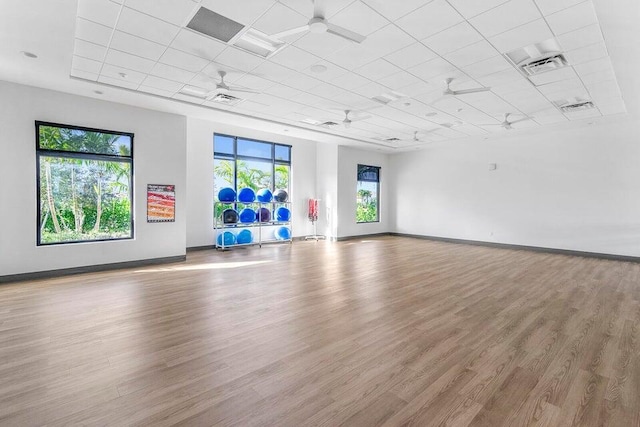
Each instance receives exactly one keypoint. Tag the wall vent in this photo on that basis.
(544, 64)
(578, 106)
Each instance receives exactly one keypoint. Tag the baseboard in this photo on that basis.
(361, 236)
(570, 252)
(200, 248)
(89, 269)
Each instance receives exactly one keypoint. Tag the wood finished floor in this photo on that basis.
(388, 331)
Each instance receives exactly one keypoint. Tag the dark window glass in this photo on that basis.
(368, 194)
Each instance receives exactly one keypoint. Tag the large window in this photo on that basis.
(368, 194)
(241, 162)
(84, 184)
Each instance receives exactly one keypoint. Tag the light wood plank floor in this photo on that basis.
(387, 331)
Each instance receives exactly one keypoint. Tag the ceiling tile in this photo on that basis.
(399, 80)
(326, 90)
(359, 18)
(84, 64)
(471, 54)
(301, 82)
(198, 45)
(430, 19)
(453, 38)
(598, 76)
(244, 12)
(369, 90)
(471, 8)
(160, 83)
(84, 75)
(273, 72)
(136, 46)
(604, 90)
(180, 59)
(156, 91)
(411, 56)
(145, 26)
(394, 9)
(506, 17)
(92, 32)
(321, 45)
(172, 73)
(332, 71)
(377, 69)
(547, 7)
(239, 59)
(176, 12)
(117, 82)
(595, 66)
(89, 50)
(572, 18)
(614, 107)
(432, 68)
(581, 37)
(573, 85)
(282, 91)
(386, 40)
(353, 56)
(126, 60)
(580, 115)
(524, 35)
(507, 87)
(115, 72)
(294, 58)
(488, 66)
(102, 12)
(501, 77)
(350, 81)
(586, 54)
(279, 18)
(566, 73)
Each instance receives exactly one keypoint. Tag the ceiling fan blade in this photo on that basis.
(239, 89)
(520, 120)
(344, 33)
(489, 124)
(358, 118)
(475, 90)
(318, 8)
(290, 32)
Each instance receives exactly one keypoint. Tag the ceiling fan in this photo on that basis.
(447, 92)
(318, 24)
(224, 89)
(506, 123)
(348, 120)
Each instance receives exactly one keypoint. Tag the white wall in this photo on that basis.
(327, 190)
(159, 158)
(348, 160)
(200, 177)
(568, 189)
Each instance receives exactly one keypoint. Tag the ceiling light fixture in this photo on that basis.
(431, 114)
(98, 92)
(123, 75)
(29, 54)
(318, 68)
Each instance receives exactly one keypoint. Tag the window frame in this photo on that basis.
(46, 152)
(235, 157)
(377, 181)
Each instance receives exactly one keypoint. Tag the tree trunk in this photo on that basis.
(98, 189)
(50, 201)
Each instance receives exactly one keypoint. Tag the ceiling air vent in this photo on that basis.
(541, 65)
(329, 123)
(222, 98)
(393, 139)
(578, 106)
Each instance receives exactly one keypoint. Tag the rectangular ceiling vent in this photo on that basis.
(388, 97)
(222, 98)
(578, 106)
(547, 63)
(211, 24)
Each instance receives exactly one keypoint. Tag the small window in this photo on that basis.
(248, 148)
(368, 194)
(223, 144)
(84, 184)
(283, 153)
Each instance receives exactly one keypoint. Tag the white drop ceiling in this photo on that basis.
(411, 47)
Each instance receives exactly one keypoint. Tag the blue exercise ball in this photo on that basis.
(247, 195)
(228, 237)
(263, 215)
(244, 237)
(264, 195)
(229, 216)
(247, 215)
(282, 233)
(283, 214)
(227, 194)
(280, 196)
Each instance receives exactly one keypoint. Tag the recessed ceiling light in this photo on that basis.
(123, 75)
(286, 130)
(29, 54)
(459, 109)
(431, 114)
(407, 104)
(98, 92)
(318, 68)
